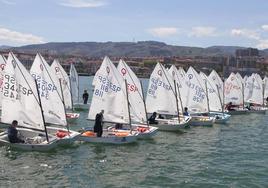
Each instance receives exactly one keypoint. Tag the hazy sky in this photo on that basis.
(180, 22)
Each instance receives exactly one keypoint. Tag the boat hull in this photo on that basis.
(237, 112)
(65, 139)
(109, 137)
(201, 120)
(29, 134)
(220, 118)
(173, 124)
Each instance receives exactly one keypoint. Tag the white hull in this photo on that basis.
(69, 138)
(258, 110)
(30, 145)
(172, 124)
(220, 118)
(110, 137)
(144, 131)
(237, 112)
(201, 120)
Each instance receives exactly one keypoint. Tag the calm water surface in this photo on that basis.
(233, 155)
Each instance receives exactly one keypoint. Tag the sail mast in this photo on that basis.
(71, 94)
(177, 105)
(207, 94)
(129, 116)
(41, 108)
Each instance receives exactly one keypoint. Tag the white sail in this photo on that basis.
(265, 87)
(214, 76)
(65, 83)
(20, 98)
(137, 107)
(49, 90)
(161, 94)
(233, 90)
(238, 75)
(257, 90)
(215, 103)
(197, 99)
(178, 76)
(248, 87)
(74, 82)
(181, 72)
(2, 67)
(109, 94)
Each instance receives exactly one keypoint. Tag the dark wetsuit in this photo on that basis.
(98, 124)
(13, 135)
(152, 119)
(85, 97)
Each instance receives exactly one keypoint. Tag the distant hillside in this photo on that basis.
(125, 49)
(4, 47)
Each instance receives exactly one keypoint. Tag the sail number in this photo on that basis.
(12, 89)
(105, 86)
(44, 87)
(155, 84)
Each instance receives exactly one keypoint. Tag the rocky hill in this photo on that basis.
(125, 49)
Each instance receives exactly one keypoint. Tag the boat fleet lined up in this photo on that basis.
(43, 100)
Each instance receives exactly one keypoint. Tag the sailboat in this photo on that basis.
(65, 89)
(197, 101)
(162, 98)
(52, 100)
(110, 94)
(215, 103)
(74, 84)
(21, 102)
(138, 110)
(254, 94)
(234, 94)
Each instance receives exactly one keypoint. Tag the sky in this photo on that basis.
(200, 23)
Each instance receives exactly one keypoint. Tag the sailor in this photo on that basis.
(230, 106)
(98, 128)
(152, 119)
(13, 133)
(186, 113)
(85, 96)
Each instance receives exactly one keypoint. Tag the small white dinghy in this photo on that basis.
(53, 98)
(34, 140)
(136, 103)
(162, 98)
(66, 90)
(110, 95)
(21, 99)
(74, 84)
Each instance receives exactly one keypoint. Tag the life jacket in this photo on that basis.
(62, 133)
(89, 134)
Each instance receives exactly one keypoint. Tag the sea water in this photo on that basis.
(232, 155)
